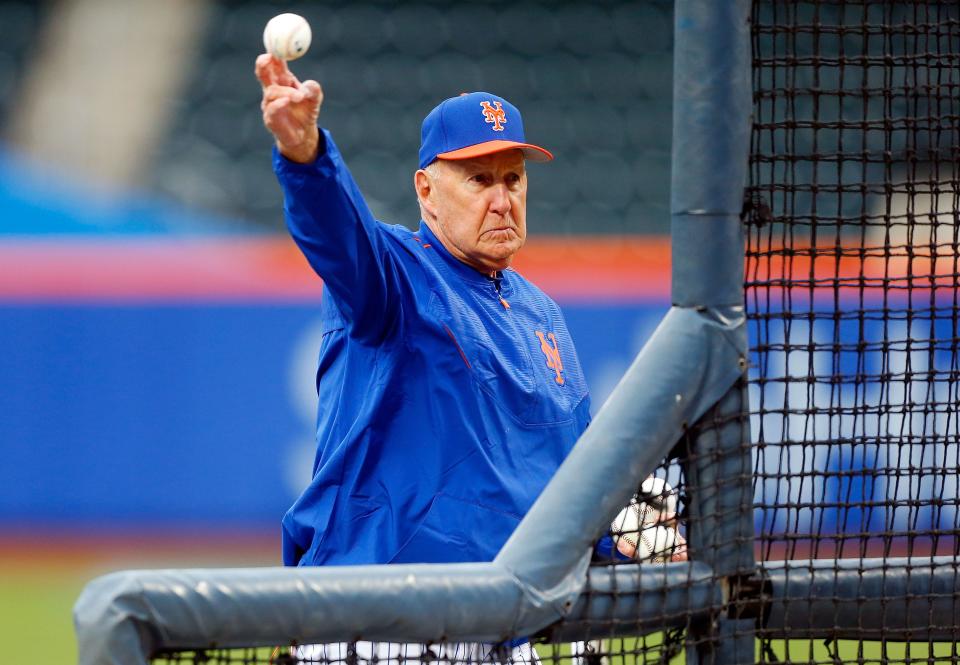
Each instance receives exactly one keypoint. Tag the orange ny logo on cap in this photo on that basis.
(496, 116)
(552, 352)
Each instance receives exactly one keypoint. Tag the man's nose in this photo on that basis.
(500, 199)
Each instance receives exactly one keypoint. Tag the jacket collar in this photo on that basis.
(466, 272)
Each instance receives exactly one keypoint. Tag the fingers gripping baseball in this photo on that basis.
(290, 108)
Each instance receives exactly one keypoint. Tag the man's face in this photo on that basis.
(477, 207)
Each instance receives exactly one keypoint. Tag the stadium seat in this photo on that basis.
(593, 81)
(20, 23)
(418, 31)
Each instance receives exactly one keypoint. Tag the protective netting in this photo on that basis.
(650, 531)
(655, 649)
(851, 292)
(360, 653)
(852, 269)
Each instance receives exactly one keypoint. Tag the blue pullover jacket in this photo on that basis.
(447, 398)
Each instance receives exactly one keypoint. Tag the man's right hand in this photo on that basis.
(290, 109)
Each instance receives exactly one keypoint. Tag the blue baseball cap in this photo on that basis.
(472, 125)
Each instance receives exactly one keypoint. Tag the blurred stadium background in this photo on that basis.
(159, 330)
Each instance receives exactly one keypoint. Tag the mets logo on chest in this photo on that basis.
(552, 352)
(496, 116)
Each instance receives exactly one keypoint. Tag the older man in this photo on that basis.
(449, 387)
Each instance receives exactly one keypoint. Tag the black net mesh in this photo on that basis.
(654, 649)
(652, 531)
(359, 653)
(852, 275)
(851, 290)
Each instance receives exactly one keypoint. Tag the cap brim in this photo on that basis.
(533, 153)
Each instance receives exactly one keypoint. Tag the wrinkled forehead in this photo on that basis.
(503, 160)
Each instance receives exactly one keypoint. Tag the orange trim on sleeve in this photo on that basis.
(459, 348)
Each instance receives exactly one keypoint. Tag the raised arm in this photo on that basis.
(290, 109)
(324, 210)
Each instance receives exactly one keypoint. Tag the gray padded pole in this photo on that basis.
(711, 142)
(632, 600)
(712, 103)
(123, 618)
(720, 524)
(720, 484)
(910, 599)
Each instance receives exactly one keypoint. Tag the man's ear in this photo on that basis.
(424, 187)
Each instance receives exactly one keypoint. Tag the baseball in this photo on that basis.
(659, 544)
(637, 534)
(660, 497)
(646, 529)
(287, 36)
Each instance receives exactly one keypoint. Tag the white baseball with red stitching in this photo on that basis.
(658, 544)
(666, 495)
(646, 530)
(287, 36)
(635, 535)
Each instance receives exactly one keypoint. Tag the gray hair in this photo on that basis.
(433, 169)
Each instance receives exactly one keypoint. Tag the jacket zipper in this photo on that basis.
(496, 285)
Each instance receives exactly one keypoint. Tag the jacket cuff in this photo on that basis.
(294, 174)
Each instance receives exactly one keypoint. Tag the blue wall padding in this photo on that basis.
(137, 415)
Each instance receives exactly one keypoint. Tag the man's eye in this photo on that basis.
(480, 178)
